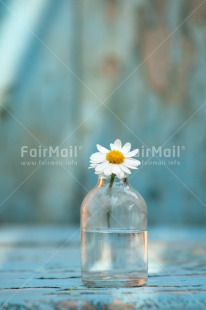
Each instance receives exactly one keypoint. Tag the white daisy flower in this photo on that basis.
(118, 160)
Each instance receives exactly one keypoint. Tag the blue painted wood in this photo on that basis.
(40, 269)
(102, 43)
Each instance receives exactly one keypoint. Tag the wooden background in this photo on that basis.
(87, 72)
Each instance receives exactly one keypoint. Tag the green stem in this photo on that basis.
(109, 192)
(111, 180)
(108, 218)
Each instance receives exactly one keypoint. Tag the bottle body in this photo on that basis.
(114, 236)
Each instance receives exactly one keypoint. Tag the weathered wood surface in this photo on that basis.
(40, 269)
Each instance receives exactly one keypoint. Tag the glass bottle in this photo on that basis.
(114, 235)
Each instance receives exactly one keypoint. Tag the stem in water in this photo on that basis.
(109, 192)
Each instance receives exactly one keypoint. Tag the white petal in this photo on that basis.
(112, 146)
(97, 161)
(115, 169)
(120, 175)
(132, 162)
(118, 144)
(132, 153)
(93, 165)
(108, 170)
(101, 167)
(131, 167)
(125, 169)
(102, 149)
(97, 157)
(126, 148)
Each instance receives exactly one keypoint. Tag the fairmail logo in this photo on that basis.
(160, 156)
(49, 152)
(173, 152)
(50, 156)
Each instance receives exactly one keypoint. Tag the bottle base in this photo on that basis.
(109, 280)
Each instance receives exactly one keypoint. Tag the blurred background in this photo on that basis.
(75, 73)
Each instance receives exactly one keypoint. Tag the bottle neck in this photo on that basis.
(106, 180)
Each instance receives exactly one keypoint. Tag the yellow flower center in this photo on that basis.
(115, 157)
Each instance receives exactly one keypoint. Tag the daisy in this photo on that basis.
(117, 161)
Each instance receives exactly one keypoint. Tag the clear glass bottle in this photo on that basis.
(114, 235)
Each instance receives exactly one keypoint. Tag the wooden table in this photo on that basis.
(40, 269)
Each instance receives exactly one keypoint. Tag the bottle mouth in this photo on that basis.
(107, 177)
(102, 179)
